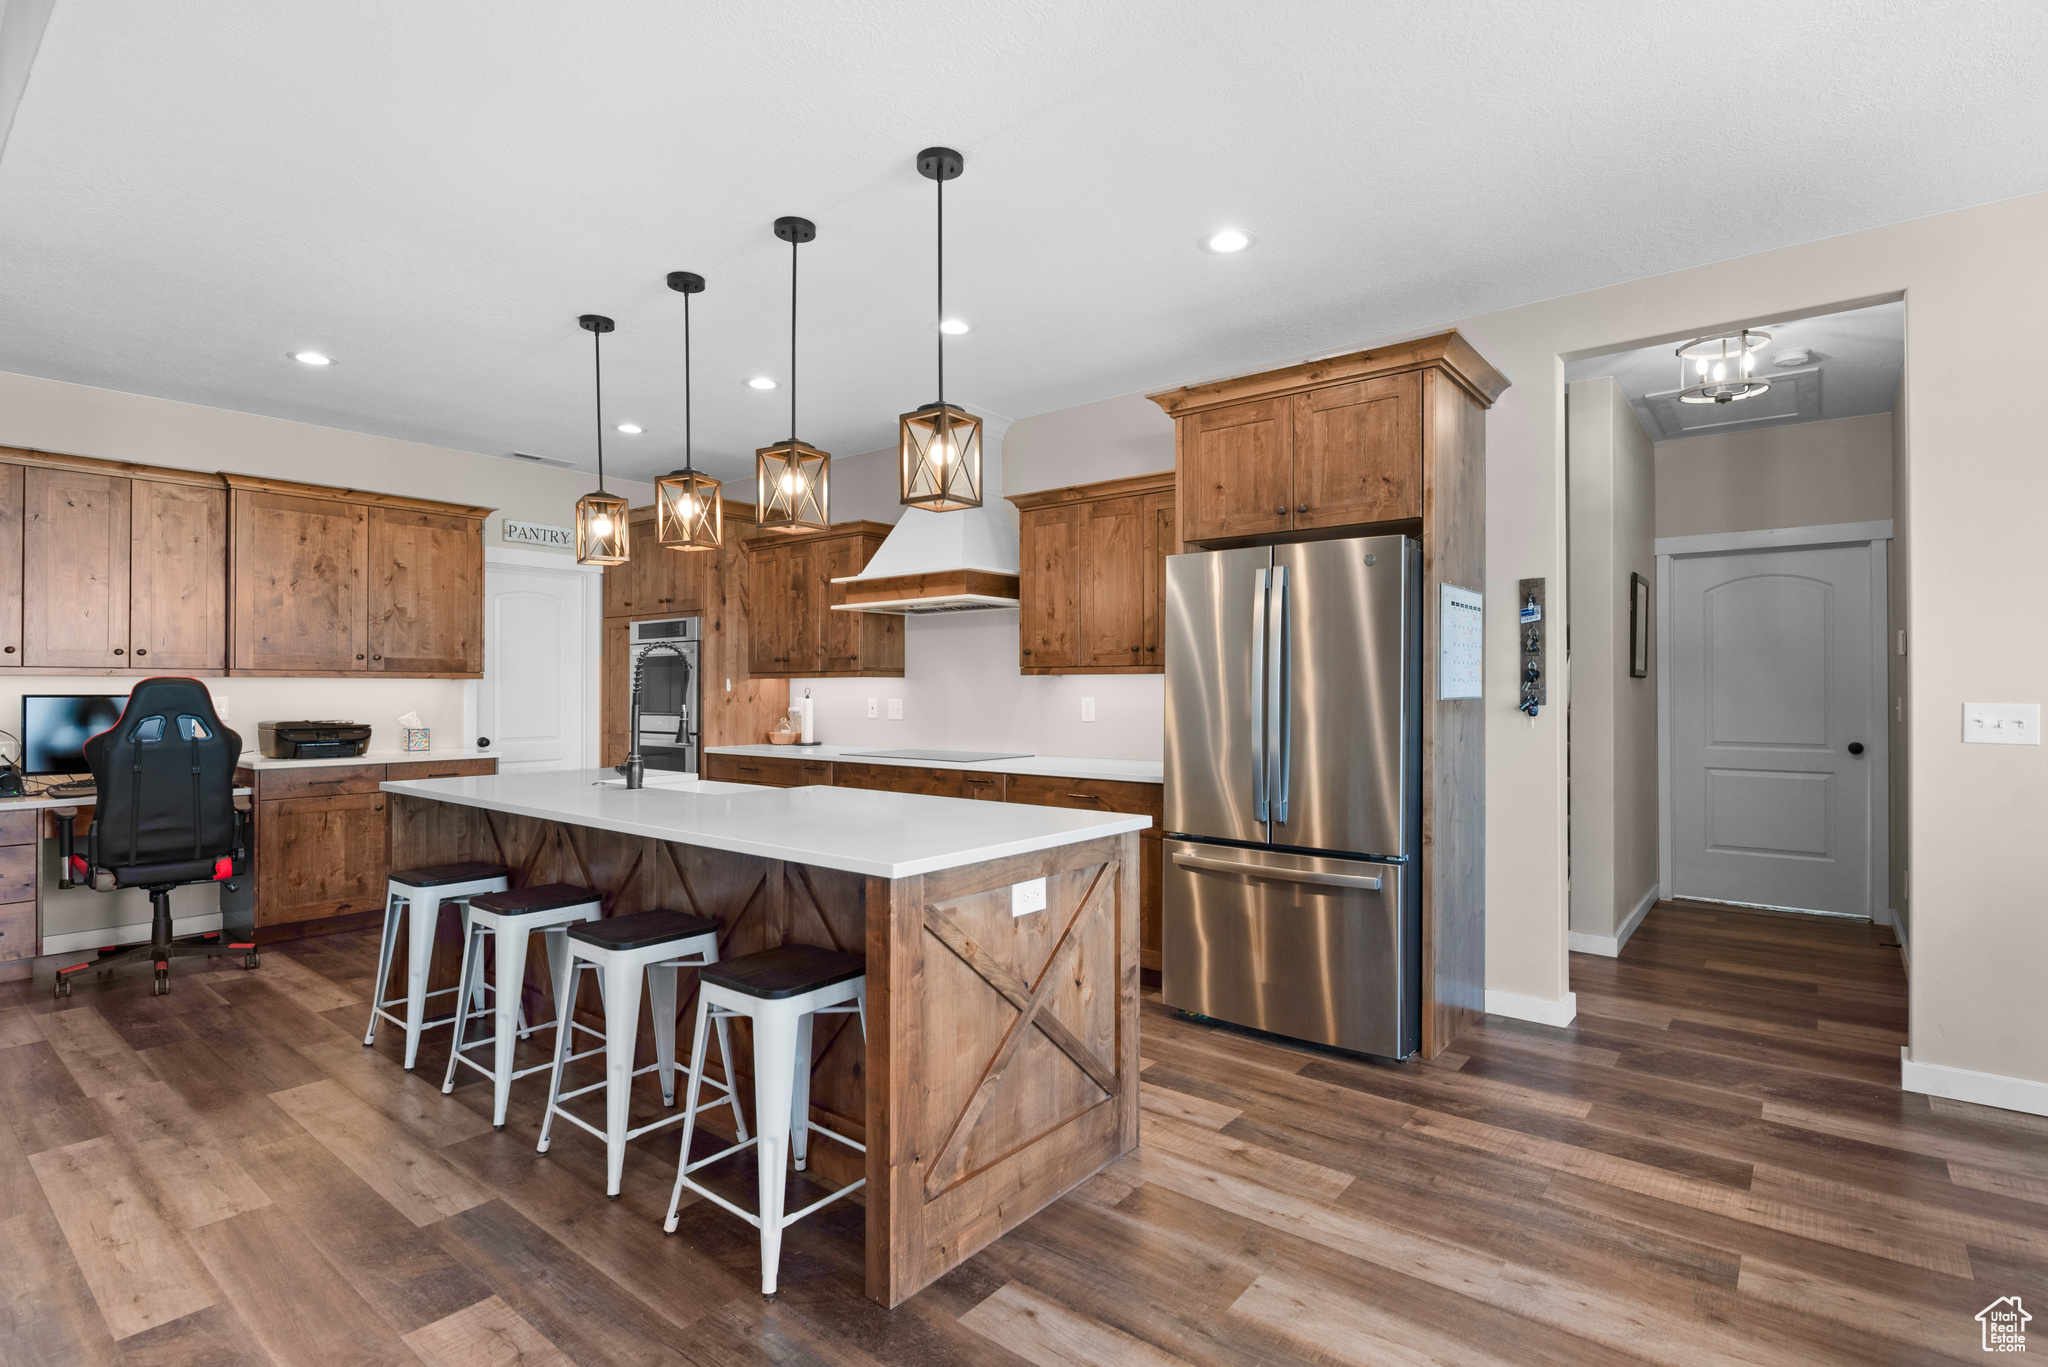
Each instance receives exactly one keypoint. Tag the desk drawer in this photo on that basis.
(18, 872)
(17, 930)
(18, 828)
(446, 768)
(272, 784)
(1088, 794)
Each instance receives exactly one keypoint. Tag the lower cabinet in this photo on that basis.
(322, 835)
(19, 848)
(1126, 799)
(768, 772)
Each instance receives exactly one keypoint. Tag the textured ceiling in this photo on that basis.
(432, 193)
(1854, 362)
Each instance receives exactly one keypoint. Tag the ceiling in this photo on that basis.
(432, 193)
(1854, 361)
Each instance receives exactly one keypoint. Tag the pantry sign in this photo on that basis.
(538, 534)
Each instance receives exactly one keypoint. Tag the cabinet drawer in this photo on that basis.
(771, 773)
(899, 778)
(272, 784)
(17, 930)
(982, 787)
(18, 828)
(1089, 794)
(446, 768)
(18, 872)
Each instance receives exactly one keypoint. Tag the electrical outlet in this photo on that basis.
(895, 709)
(1026, 898)
(1087, 709)
(2002, 723)
(220, 707)
(874, 707)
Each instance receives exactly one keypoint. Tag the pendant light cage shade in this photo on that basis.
(940, 458)
(1722, 369)
(688, 511)
(601, 529)
(792, 487)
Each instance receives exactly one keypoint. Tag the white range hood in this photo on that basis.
(963, 561)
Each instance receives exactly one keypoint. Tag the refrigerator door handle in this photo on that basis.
(1335, 880)
(1259, 581)
(1279, 725)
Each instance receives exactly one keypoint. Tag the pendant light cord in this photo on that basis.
(597, 364)
(688, 462)
(942, 299)
(792, 343)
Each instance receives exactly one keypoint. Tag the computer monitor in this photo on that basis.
(56, 726)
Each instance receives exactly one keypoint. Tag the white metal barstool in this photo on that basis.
(659, 943)
(511, 917)
(780, 990)
(418, 895)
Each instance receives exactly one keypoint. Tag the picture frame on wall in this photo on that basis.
(1638, 626)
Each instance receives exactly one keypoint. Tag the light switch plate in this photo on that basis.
(874, 707)
(2002, 723)
(1026, 898)
(220, 707)
(1087, 709)
(895, 709)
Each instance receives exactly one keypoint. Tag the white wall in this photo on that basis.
(49, 415)
(961, 687)
(1807, 474)
(1613, 716)
(1898, 678)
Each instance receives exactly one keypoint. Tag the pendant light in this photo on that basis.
(600, 517)
(688, 515)
(939, 462)
(1722, 369)
(792, 479)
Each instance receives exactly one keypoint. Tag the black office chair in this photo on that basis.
(165, 818)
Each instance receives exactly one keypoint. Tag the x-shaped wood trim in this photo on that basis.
(1030, 1003)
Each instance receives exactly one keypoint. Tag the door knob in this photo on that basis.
(1855, 747)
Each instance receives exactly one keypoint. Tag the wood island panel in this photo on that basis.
(1000, 1068)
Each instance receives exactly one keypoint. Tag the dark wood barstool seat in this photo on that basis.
(540, 897)
(640, 929)
(773, 974)
(440, 875)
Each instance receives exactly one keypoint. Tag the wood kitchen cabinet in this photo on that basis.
(769, 771)
(1390, 440)
(75, 556)
(178, 576)
(10, 565)
(657, 579)
(330, 582)
(1093, 588)
(1128, 799)
(794, 631)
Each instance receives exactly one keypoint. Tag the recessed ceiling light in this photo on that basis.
(1788, 359)
(311, 358)
(953, 327)
(760, 382)
(631, 429)
(1227, 240)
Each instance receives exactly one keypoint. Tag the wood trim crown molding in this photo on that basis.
(1447, 352)
(10, 455)
(1159, 483)
(262, 485)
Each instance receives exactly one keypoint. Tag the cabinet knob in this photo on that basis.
(1279, 512)
(10, 650)
(359, 657)
(139, 650)
(119, 651)
(1301, 508)
(378, 808)
(1134, 650)
(374, 657)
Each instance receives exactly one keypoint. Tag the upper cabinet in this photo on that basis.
(178, 575)
(793, 630)
(1333, 444)
(75, 546)
(337, 581)
(1093, 582)
(658, 579)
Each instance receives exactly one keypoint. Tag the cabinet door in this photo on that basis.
(319, 856)
(767, 609)
(842, 635)
(1048, 630)
(627, 588)
(75, 556)
(426, 593)
(1358, 452)
(301, 601)
(899, 778)
(1112, 587)
(178, 601)
(1237, 470)
(1162, 538)
(10, 564)
(688, 578)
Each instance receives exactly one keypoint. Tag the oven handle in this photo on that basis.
(1335, 880)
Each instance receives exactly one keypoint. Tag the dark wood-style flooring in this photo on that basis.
(1714, 1165)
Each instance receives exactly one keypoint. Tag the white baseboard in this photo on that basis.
(1609, 946)
(72, 941)
(1963, 1084)
(1533, 1008)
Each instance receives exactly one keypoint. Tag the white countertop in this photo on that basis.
(1051, 766)
(252, 759)
(857, 830)
(58, 804)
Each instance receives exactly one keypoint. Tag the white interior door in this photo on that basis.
(537, 703)
(1777, 736)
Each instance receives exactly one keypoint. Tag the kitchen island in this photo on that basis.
(1001, 1062)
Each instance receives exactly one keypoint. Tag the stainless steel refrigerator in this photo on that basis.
(1293, 790)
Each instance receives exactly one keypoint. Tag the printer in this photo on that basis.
(311, 739)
